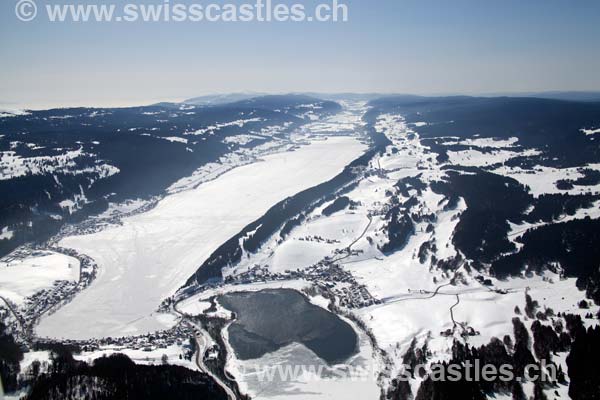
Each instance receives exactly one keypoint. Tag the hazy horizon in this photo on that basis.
(108, 103)
(417, 47)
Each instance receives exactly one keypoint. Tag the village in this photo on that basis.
(26, 316)
(329, 279)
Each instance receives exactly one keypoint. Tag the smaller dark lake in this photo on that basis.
(271, 319)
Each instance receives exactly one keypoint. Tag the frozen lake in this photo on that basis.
(152, 254)
(269, 320)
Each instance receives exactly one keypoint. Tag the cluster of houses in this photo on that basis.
(98, 223)
(46, 300)
(355, 297)
(318, 239)
(328, 276)
(465, 331)
(179, 335)
(61, 292)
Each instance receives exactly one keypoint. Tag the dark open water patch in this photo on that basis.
(271, 319)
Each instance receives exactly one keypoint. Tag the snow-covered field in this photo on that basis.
(152, 254)
(407, 296)
(174, 355)
(21, 278)
(543, 180)
(12, 165)
(6, 234)
(476, 158)
(415, 299)
(301, 249)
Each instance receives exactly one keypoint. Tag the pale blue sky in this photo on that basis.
(408, 46)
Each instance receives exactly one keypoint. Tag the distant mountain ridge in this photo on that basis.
(217, 99)
(227, 98)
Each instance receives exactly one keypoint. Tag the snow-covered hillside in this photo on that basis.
(413, 288)
(440, 229)
(150, 255)
(61, 166)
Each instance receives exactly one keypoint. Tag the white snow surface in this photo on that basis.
(152, 254)
(141, 356)
(476, 158)
(405, 286)
(485, 142)
(128, 206)
(14, 166)
(543, 180)
(20, 278)
(297, 252)
(590, 132)
(175, 139)
(6, 234)
(6, 112)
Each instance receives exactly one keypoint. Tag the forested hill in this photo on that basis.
(62, 165)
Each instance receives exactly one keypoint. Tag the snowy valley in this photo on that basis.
(438, 230)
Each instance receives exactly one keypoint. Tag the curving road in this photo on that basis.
(349, 248)
(396, 299)
(452, 310)
(202, 345)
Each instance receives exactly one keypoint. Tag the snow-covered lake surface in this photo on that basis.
(152, 254)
